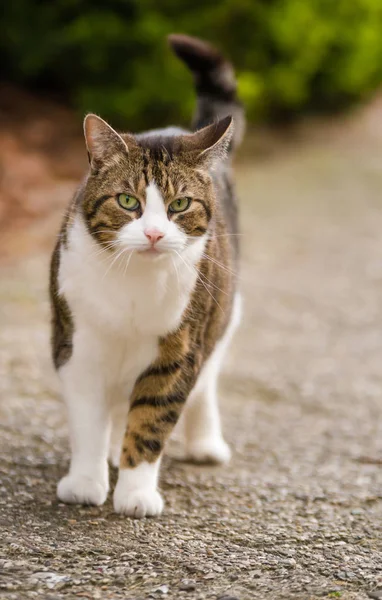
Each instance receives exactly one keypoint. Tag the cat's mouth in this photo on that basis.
(152, 253)
(152, 250)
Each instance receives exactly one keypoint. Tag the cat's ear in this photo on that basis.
(209, 144)
(102, 141)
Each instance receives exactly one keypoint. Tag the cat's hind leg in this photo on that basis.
(203, 438)
(204, 441)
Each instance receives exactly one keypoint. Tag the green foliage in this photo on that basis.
(111, 57)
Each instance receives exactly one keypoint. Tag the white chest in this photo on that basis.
(123, 308)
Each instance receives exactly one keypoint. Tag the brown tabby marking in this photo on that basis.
(128, 164)
(160, 392)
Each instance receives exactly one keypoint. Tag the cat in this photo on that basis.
(144, 293)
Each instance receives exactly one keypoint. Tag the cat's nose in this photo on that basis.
(154, 235)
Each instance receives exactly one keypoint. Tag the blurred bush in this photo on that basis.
(111, 57)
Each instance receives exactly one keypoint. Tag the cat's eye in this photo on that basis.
(180, 204)
(128, 202)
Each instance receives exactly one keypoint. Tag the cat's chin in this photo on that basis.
(151, 252)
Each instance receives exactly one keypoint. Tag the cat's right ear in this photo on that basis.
(102, 141)
(210, 144)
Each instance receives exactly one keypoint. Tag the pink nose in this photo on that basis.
(154, 235)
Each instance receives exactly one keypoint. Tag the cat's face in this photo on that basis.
(149, 195)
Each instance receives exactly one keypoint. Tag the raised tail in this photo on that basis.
(215, 84)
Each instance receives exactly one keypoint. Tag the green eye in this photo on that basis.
(180, 204)
(128, 202)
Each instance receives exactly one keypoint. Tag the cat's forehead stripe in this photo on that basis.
(154, 199)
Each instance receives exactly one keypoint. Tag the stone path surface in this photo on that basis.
(298, 512)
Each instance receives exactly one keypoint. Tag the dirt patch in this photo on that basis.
(42, 157)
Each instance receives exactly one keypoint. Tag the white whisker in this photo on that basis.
(216, 235)
(200, 279)
(117, 256)
(128, 262)
(212, 284)
(217, 263)
(176, 271)
(105, 249)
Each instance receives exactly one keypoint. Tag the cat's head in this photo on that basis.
(151, 193)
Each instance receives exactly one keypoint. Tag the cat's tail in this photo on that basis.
(215, 83)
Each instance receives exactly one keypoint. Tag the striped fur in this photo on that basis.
(156, 168)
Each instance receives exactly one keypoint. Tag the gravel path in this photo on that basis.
(298, 512)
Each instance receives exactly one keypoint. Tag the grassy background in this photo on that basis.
(292, 56)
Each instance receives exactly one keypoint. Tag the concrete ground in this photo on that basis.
(298, 512)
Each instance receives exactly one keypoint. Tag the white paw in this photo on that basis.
(79, 489)
(208, 450)
(138, 503)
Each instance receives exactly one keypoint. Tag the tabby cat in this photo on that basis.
(143, 293)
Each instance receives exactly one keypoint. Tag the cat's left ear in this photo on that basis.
(102, 141)
(210, 144)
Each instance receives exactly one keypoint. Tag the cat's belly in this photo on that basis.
(115, 361)
(123, 360)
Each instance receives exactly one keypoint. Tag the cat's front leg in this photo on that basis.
(89, 426)
(136, 494)
(156, 404)
(150, 422)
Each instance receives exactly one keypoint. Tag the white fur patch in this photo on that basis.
(136, 493)
(155, 214)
